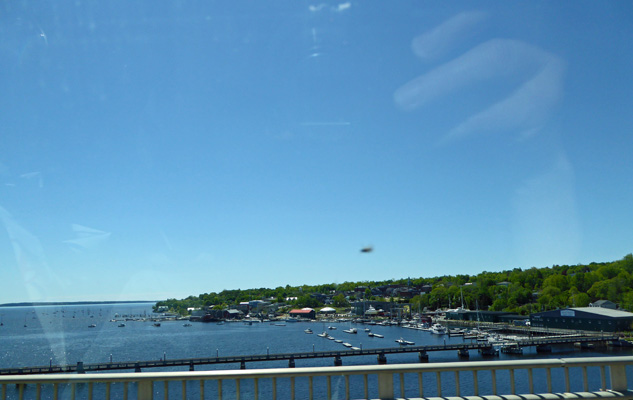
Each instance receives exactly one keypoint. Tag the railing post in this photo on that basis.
(145, 389)
(385, 385)
(618, 378)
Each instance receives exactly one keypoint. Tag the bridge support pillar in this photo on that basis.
(423, 356)
(337, 361)
(80, 367)
(382, 359)
(242, 365)
(291, 362)
(137, 368)
(191, 366)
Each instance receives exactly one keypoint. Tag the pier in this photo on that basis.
(337, 355)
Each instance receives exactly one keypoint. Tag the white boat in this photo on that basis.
(331, 327)
(350, 330)
(375, 335)
(324, 334)
(438, 329)
(371, 311)
(308, 331)
(121, 325)
(338, 341)
(403, 342)
(347, 345)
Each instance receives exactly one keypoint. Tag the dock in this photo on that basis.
(337, 355)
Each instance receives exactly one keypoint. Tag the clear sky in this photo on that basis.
(151, 150)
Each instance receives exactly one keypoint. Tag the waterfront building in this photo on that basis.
(307, 313)
(604, 304)
(481, 316)
(584, 318)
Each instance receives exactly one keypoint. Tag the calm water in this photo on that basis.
(61, 335)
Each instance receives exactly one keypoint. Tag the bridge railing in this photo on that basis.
(579, 378)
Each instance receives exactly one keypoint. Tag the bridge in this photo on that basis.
(597, 378)
(337, 355)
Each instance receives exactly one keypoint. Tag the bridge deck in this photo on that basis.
(337, 354)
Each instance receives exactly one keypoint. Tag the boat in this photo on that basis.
(92, 326)
(350, 330)
(403, 342)
(347, 345)
(186, 325)
(376, 335)
(323, 335)
(156, 324)
(512, 348)
(338, 341)
(308, 331)
(371, 311)
(354, 348)
(438, 329)
(331, 327)
(463, 353)
(121, 325)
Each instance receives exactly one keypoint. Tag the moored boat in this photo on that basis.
(438, 329)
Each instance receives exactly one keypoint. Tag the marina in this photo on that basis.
(139, 348)
(154, 341)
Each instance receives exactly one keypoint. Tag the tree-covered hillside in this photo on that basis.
(517, 290)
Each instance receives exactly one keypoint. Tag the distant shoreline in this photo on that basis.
(72, 303)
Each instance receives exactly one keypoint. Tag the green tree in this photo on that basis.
(340, 301)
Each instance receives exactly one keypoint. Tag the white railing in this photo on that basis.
(579, 378)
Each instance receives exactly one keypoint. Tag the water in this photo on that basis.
(60, 335)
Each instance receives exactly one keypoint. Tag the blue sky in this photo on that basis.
(157, 150)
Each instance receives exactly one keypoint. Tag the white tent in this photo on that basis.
(327, 310)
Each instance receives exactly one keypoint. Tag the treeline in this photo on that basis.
(520, 291)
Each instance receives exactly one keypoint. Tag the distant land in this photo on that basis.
(72, 303)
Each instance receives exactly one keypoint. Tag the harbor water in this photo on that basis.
(65, 335)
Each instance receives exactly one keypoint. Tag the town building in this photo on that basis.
(584, 318)
(604, 304)
(306, 313)
(481, 316)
